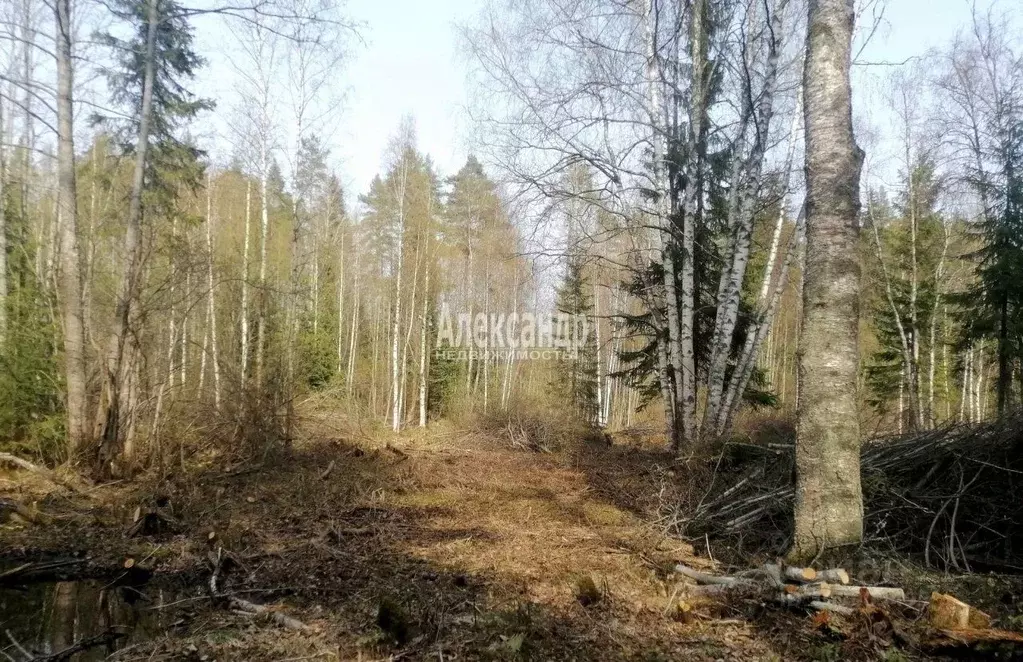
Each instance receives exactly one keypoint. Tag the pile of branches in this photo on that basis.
(952, 496)
(538, 431)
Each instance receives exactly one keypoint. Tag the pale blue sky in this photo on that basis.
(409, 63)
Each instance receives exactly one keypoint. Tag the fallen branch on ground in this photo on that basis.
(935, 493)
(244, 606)
(277, 617)
(16, 461)
(35, 571)
(104, 639)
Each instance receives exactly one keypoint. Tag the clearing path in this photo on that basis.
(439, 545)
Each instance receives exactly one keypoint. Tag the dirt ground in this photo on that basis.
(437, 545)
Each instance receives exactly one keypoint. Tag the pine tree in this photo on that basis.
(576, 376)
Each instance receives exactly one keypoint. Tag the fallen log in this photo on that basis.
(875, 592)
(833, 575)
(772, 571)
(720, 589)
(825, 590)
(277, 617)
(820, 605)
(16, 461)
(794, 574)
(976, 643)
(768, 578)
(704, 578)
(810, 575)
(13, 510)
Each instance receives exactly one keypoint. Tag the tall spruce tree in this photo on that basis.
(576, 377)
(995, 304)
(154, 63)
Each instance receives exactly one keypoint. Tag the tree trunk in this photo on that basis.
(692, 211)
(425, 323)
(914, 287)
(211, 306)
(3, 232)
(341, 306)
(768, 301)
(758, 331)
(118, 354)
(939, 274)
(245, 286)
(743, 219)
(408, 337)
(353, 336)
(396, 326)
(264, 232)
(70, 269)
(829, 502)
(659, 142)
(908, 361)
(964, 392)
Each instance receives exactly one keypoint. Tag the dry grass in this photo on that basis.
(472, 549)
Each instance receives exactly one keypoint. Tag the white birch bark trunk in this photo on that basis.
(904, 340)
(356, 304)
(939, 275)
(657, 116)
(264, 232)
(767, 302)
(914, 315)
(981, 390)
(408, 338)
(341, 306)
(757, 332)
(423, 359)
(687, 395)
(902, 399)
(245, 286)
(211, 305)
(601, 422)
(964, 412)
(760, 114)
(395, 335)
(486, 346)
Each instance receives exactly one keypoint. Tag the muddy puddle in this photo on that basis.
(50, 617)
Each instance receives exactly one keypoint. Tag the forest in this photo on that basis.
(709, 347)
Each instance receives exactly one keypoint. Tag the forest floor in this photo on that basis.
(438, 545)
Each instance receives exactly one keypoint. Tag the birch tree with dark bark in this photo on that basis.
(829, 500)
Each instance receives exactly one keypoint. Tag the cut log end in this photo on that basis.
(947, 613)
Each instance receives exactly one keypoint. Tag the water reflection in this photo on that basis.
(49, 617)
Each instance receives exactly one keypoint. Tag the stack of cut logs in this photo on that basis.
(790, 585)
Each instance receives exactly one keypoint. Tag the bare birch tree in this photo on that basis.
(70, 268)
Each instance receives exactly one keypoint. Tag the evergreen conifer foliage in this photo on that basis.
(576, 377)
(175, 64)
(995, 302)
